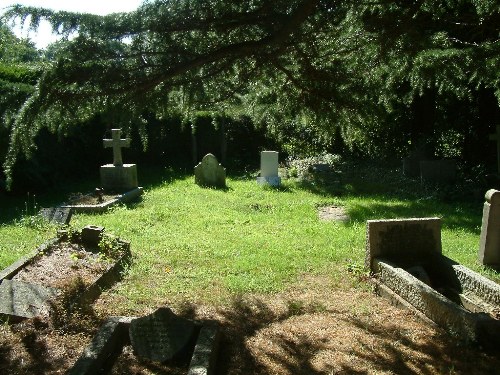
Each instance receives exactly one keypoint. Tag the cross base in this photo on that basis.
(119, 179)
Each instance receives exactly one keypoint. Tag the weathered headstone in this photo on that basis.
(161, 336)
(58, 215)
(405, 241)
(438, 171)
(269, 168)
(118, 176)
(489, 244)
(210, 173)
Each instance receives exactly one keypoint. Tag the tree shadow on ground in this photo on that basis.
(387, 348)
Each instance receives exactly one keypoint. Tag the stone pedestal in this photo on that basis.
(119, 178)
(489, 245)
(269, 168)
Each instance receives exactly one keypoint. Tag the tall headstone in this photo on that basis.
(489, 244)
(269, 168)
(118, 177)
(403, 241)
(210, 173)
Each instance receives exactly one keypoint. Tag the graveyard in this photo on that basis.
(285, 283)
(232, 188)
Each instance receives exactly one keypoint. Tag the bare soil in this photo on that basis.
(90, 199)
(332, 213)
(319, 325)
(62, 262)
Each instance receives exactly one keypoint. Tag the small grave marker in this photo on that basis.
(210, 173)
(161, 336)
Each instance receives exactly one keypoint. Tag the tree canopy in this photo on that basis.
(317, 67)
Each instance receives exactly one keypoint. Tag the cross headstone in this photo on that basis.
(496, 137)
(117, 143)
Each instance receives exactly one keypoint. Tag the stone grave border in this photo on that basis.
(101, 207)
(403, 289)
(91, 293)
(108, 342)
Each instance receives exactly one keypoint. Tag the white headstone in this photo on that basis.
(269, 168)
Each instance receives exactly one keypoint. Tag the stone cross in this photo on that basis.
(117, 144)
(496, 137)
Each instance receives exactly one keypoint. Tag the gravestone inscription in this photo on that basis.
(161, 336)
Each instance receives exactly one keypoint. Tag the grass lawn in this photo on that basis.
(261, 262)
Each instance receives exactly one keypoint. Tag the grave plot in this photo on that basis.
(100, 201)
(405, 257)
(161, 341)
(89, 257)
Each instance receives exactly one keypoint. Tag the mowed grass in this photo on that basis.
(192, 244)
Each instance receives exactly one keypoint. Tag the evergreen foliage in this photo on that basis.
(306, 69)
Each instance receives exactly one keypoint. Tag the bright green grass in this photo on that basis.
(196, 244)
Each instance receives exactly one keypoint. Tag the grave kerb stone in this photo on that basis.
(489, 243)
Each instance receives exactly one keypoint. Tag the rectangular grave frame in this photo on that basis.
(100, 355)
(91, 293)
(102, 207)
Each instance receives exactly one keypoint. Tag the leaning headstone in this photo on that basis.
(269, 168)
(438, 171)
(59, 215)
(118, 177)
(489, 244)
(405, 241)
(210, 173)
(161, 336)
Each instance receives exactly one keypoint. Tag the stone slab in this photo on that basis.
(210, 173)
(405, 241)
(24, 300)
(104, 347)
(489, 242)
(269, 161)
(101, 207)
(161, 336)
(272, 181)
(206, 351)
(119, 178)
(58, 215)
